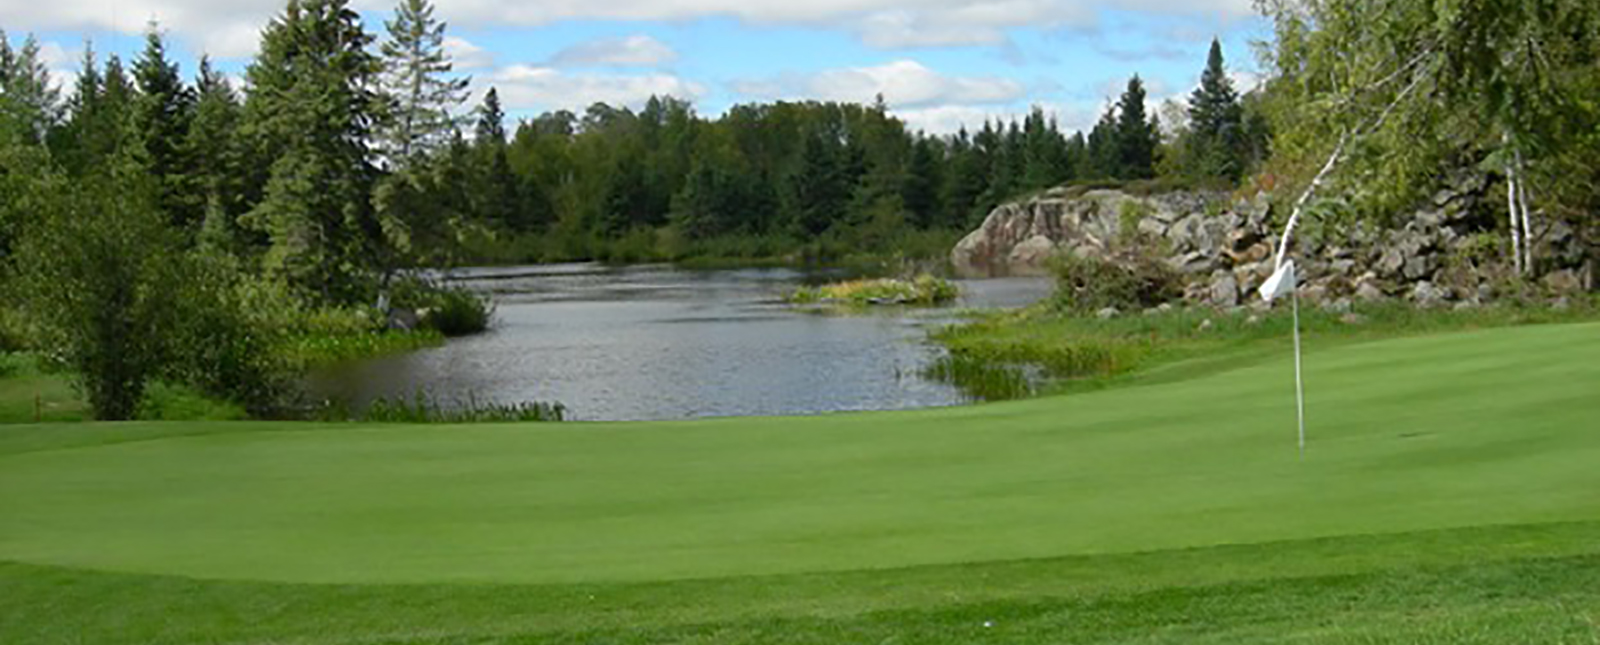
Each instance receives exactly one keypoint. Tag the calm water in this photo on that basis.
(656, 342)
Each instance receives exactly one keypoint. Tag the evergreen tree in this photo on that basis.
(415, 82)
(821, 186)
(491, 124)
(73, 143)
(923, 181)
(1102, 158)
(307, 120)
(1136, 136)
(28, 100)
(162, 112)
(1215, 122)
(211, 149)
(965, 178)
(497, 199)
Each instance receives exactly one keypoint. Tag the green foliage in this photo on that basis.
(458, 311)
(418, 93)
(1216, 143)
(425, 408)
(307, 121)
(925, 290)
(97, 277)
(1131, 281)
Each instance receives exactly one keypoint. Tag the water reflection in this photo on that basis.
(655, 342)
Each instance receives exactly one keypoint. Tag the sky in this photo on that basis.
(939, 64)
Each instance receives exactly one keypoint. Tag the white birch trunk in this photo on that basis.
(1511, 212)
(1522, 207)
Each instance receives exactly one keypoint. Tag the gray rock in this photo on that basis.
(1253, 320)
(1465, 305)
(1206, 325)
(1340, 306)
(1561, 304)
(1391, 262)
(1426, 294)
(1367, 291)
(1033, 253)
(1108, 313)
(400, 319)
(1225, 291)
(1353, 319)
(1563, 282)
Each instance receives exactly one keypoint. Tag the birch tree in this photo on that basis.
(1399, 89)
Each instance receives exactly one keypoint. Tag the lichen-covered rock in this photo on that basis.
(1222, 246)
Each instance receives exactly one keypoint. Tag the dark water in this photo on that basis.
(655, 342)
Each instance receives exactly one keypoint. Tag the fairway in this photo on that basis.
(1482, 428)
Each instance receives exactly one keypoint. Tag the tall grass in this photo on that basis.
(923, 290)
(423, 407)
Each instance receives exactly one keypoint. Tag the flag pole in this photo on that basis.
(1299, 383)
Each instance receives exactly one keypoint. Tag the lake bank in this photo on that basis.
(661, 342)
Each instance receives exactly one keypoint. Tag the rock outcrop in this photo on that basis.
(1444, 252)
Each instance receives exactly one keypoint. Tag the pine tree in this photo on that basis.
(1136, 135)
(162, 112)
(1216, 141)
(415, 81)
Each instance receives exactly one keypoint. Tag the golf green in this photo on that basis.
(1458, 430)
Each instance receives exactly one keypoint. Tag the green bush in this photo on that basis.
(1127, 281)
(459, 312)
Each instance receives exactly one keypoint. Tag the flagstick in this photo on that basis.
(1299, 385)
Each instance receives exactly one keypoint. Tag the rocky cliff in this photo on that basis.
(1444, 252)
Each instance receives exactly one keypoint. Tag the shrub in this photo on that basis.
(424, 408)
(1126, 281)
(459, 312)
(921, 290)
(98, 276)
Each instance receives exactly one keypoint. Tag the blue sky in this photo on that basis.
(940, 64)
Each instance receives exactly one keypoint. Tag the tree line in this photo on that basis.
(343, 159)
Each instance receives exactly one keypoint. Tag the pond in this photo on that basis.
(657, 342)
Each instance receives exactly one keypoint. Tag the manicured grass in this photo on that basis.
(1448, 495)
(1039, 350)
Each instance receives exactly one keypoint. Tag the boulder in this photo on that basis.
(1224, 291)
(1426, 294)
(1033, 254)
(1565, 281)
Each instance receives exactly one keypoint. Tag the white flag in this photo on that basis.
(1281, 282)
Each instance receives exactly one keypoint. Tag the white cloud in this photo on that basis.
(903, 83)
(533, 88)
(230, 28)
(467, 56)
(632, 51)
(947, 119)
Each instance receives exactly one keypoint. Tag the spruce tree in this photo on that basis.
(1135, 135)
(1102, 155)
(28, 99)
(416, 83)
(491, 124)
(211, 149)
(162, 112)
(1216, 142)
(307, 120)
